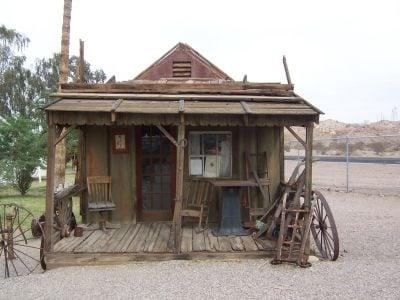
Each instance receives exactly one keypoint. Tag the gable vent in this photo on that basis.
(181, 69)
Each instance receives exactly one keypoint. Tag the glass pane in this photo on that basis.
(224, 154)
(157, 165)
(195, 144)
(146, 184)
(166, 186)
(157, 202)
(210, 144)
(146, 202)
(157, 184)
(210, 166)
(196, 166)
(166, 201)
(147, 167)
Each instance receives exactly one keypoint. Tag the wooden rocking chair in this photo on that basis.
(196, 198)
(100, 199)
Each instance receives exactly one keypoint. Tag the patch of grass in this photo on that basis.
(34, 200)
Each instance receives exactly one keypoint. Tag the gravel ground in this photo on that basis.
(369, 267)
(377, 179)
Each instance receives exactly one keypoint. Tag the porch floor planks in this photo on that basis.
(248, 243)
(199, 243)
(87, 244)
(147, 238)
(128, 238)
(236, 243)
(213, 240)
(161, 244)
(187, 238)
(139, 242)
(116, 238)
(68, 244)
(152, 237)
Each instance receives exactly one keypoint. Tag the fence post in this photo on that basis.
(347, 164)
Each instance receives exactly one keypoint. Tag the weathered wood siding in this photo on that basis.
(101, 161)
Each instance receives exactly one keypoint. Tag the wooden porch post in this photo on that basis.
(48, 242)
(180, 158)
(308, 164)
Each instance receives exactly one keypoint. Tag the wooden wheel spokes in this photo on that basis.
(323, 228)
(20, 253)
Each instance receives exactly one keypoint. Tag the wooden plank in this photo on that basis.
(55, 260)
(180, 159)
(116, 238)
(289, 80)
(224, 244)
(138, 243)
(236, 243)
(171, 240)
(301, 141)
(128, 238)
(199, 243)
(74, 241)
(187, 239)
(152, 237)
(308, 165)
(213, 240)
(51, 136)
(98, 246)
(248, 243)
(161, 244)
(87, 244)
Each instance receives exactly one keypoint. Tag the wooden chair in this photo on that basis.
(100, 199)
(197, 195)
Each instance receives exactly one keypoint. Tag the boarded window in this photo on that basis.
(181, 69)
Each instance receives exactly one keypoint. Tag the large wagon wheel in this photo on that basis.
(323, 228)
(20, 252)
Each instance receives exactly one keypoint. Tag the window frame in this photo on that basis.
(202, 156)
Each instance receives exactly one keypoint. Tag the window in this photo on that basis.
(210, 154)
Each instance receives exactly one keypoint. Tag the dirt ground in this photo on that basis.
(368, 267)
(378, 179)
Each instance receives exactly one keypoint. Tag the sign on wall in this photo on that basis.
(120, 141)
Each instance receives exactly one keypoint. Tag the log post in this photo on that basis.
(282, 154)
(308, 165)
(81, 65)
(180, 158)
(48, 242)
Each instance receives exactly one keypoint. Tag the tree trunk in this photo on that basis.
(64, 72)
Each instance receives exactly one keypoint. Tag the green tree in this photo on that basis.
(22, 147)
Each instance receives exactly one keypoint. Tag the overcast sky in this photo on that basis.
(343, 56)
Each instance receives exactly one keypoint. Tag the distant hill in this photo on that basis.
(385, 146)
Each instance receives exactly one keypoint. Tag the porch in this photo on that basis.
(152, 241)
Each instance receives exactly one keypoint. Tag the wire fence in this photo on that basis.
(352, 163)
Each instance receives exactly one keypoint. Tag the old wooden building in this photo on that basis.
(177, 135)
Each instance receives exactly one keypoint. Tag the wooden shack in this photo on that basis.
(180, 120)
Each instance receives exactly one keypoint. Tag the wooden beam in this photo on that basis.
(114, 107)
(289, 80)
(181, 106)
(48, 237)
(281, 154)
(245, 107)
(81, 65)
(180, 158)
(64, 60)
(175, 97)
(308, 165)
(301, 141)
(167, 135)
(63, 134)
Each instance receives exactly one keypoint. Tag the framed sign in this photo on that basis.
(120, 140)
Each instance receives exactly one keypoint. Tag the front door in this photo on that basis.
(155, 161)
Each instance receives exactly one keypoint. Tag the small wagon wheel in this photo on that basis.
(323, 228)
(20, 252)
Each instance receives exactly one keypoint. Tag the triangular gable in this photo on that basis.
(181, 62)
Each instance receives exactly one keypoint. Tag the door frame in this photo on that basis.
(153, 215)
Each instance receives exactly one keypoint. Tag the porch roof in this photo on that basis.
(194, 98)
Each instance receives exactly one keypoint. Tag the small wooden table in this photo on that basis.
(230, 221)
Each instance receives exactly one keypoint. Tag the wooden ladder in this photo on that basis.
(294, 229)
